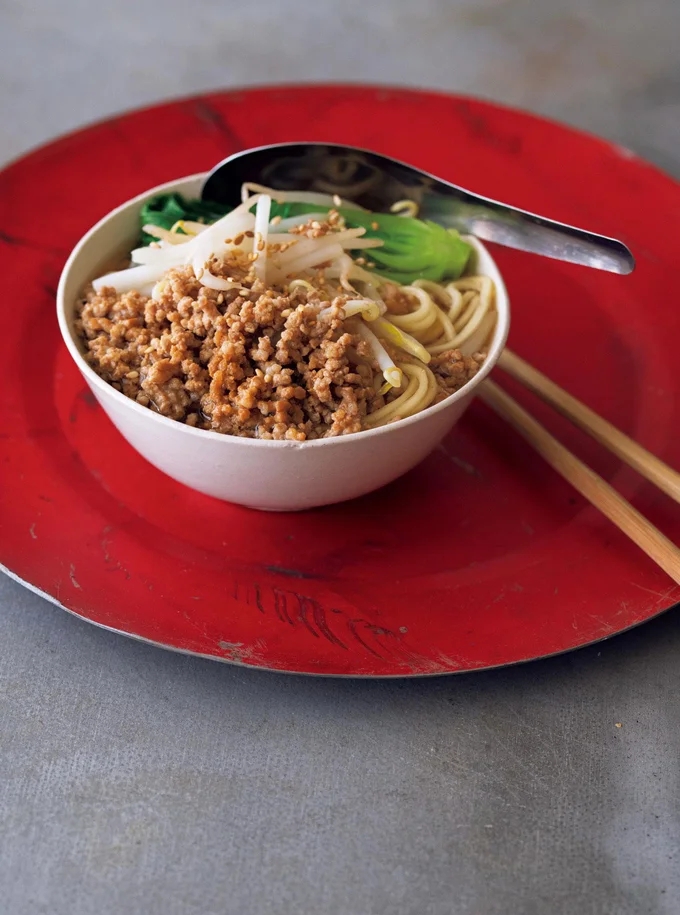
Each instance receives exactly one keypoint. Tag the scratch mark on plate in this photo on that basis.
(352, 626)
(459, 462)
(208, 114)
(289, 573)
(72, 576)
(281, 606)
(319, 615)
(664, 595)
(244, 654)
(303, 608)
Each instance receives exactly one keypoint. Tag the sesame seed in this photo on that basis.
(336, 200)
(249, 234)
(239, 239)
(375, 226)
(275, 221)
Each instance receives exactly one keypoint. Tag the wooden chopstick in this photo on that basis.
(596, 490)
(646, 463)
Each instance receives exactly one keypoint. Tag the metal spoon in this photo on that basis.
(376, 182)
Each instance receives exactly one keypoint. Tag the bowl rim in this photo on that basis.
(498, 343)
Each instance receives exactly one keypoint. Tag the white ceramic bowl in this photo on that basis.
(270, 475)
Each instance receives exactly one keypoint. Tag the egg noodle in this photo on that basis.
(459, 315)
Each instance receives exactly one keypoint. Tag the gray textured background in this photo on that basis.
(137, 781)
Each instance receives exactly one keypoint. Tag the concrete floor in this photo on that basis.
(138, 781)
(605, 65)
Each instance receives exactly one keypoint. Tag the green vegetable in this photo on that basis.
(166, 209)
(413, 248)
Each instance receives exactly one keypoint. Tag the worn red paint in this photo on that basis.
(481, 556)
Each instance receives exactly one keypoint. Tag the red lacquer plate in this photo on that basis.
(480, 557)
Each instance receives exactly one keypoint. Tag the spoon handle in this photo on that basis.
(505, 225)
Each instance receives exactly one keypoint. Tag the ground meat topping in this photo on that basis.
(248, 361)
(452, 370)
